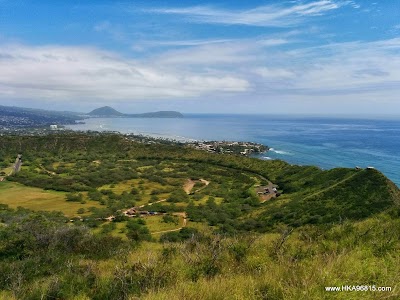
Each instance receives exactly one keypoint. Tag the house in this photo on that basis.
(53, 127)
(130, 212)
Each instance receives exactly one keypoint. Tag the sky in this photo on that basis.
(283, 57)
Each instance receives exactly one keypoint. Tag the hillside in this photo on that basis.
(105, 111)
(310, 195)
(109, 112)
(148, 220)
(14, 117)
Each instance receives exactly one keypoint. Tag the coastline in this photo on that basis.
(324, 142)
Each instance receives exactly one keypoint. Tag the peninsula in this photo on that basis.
(109, 112)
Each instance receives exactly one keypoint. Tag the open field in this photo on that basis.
(15, 194)
(145, 188)
(156, 224)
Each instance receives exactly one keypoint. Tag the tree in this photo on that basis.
(137, 232)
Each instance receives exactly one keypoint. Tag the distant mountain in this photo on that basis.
(21, 117)
(105, 111)
(109, 112)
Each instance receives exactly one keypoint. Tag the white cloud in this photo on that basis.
(115, 31)
(86, 73)
(357, 71)
(177, 43)
(273, 73)
(267, 15)
(355, 67)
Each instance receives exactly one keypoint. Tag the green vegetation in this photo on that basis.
(219, 241)
(15, 195)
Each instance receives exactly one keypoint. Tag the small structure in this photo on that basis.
(53, 127)
(17, 165)
(130, 212)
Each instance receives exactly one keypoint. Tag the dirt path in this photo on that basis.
(205, 181)
(332, 186)
(150, 204)
(47, 171)
(180, 214)
(188, 186)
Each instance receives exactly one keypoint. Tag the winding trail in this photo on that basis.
(47, 171)
(180, 214)
(332, 186)
(150, 204)
(189, 185)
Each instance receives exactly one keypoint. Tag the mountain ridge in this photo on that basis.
(109, 112)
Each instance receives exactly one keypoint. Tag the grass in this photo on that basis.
(218, 200)
(155, 224)
(119, 230)
(15, 194)
(7, 170)
(147, 186)
(300, 269)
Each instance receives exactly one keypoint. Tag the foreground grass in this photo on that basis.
(301, 268)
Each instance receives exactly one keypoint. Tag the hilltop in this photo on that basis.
(12, 117)
(109, 112)
(105, 111)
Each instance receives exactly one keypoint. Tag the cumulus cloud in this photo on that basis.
(58, 72)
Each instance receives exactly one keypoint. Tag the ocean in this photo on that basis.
(320, 141)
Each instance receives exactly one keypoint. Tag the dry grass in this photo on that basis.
(15, 194)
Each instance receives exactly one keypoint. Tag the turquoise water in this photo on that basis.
(324, 142)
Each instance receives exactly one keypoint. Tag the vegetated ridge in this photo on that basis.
(109, 112)
(338, 227)
(19, 117)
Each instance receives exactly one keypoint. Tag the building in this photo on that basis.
(53, 127)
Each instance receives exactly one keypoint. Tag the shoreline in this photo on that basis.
(276, 152)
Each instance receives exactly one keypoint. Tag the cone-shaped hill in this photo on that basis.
(109, 112)
(105, 111)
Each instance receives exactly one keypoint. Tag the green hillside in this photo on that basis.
(200, 227)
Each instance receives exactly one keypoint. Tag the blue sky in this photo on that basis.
(317, 57)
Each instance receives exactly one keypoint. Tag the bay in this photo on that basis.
(322, 141)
